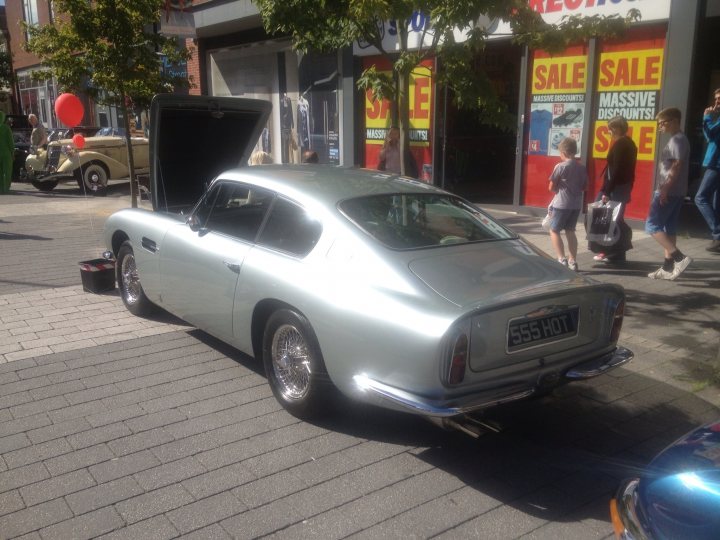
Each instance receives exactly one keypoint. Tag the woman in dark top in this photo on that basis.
(617, 186)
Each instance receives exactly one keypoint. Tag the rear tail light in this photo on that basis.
(458, 360)
(617, 321)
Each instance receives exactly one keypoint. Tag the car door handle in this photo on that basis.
(234, 266)
(148, 244)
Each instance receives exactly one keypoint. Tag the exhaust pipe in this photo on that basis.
(468, 425)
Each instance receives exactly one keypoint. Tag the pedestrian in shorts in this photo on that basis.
(671, 187)
(568, 181)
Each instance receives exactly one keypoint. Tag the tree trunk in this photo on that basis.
(131, 157)
(403, 91)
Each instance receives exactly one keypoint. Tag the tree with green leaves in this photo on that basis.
(327, 25)
(108, 49)
(6, 70)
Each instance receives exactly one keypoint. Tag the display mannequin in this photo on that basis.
(286, 126)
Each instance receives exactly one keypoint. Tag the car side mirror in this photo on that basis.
(193, 222)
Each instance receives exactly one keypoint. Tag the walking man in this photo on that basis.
(671, 187)
(707, 198)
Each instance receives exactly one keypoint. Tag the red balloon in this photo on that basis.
(69, 109)
(78, 141)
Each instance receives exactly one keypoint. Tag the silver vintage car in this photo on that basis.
(384, 288)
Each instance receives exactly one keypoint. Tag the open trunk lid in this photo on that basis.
(195, 138)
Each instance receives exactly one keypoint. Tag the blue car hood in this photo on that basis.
(679, 496)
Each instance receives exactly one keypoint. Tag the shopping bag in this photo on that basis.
(601, 222)
(547, 220)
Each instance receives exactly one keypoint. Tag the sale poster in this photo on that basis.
(557, 107)
(378, 119)
(629, 80)
(629, 86)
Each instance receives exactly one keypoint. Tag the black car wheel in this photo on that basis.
(294, 365)
(129, 284)
(95, 178)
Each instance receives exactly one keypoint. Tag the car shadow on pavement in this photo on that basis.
(561, 458)
(556, 459)
(18, 236)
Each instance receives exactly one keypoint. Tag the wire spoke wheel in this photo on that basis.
(291, 362)
(129, 280)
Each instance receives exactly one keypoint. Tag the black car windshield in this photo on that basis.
(420, 220)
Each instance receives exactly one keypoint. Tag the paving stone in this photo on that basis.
(37, 452)
(90, 408)
(123, 466)
(39, 406)
(150, 421)
(114, 415)
(79, 459)
(103, 495)
(153, 503)
(88, 525)
(56, 487)
(213, 532)
(262, 521)
(205, 512)
(269, 488)
(34, 518)
(22, 476)
(13, 442)
(157, 528)
(217, 481)
(10, 502)
(169, 473)
(93, 436)
(140, 441)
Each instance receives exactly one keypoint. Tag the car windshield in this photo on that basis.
(421, 220)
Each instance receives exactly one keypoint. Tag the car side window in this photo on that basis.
(290, 228)
(238, 210)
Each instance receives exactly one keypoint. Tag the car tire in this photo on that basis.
(94, 177)
(128, 281)
(294, 365)
(47, 185)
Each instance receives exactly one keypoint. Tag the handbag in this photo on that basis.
(601, 222)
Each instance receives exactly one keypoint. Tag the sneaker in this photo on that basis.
(563, 261)
(661, 273)
(572, 265)
(600, 257)
(680, 267)
(714, 246)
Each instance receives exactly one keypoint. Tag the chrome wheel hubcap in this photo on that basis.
(291, 362)
(130, 280)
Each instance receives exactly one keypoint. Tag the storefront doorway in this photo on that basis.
(480, 159)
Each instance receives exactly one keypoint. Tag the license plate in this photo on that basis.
(532, 331)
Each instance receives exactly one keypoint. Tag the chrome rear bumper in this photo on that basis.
(396, 398)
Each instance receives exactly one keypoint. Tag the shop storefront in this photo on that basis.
(575, 93)
(565, 102)
(38, 98)
(302, 88)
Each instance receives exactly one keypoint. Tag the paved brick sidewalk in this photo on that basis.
(151, 429)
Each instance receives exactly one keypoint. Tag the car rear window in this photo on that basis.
(420, 220)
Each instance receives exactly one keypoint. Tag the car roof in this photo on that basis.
(326, 183)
